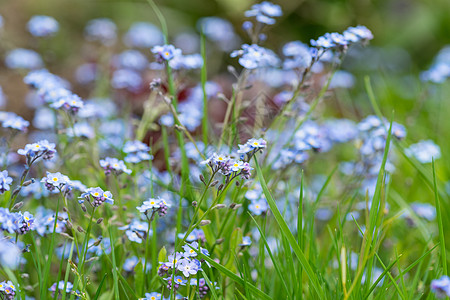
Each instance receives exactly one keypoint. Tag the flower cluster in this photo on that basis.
(337, 41)
(114, 165)
(258, 203)
(254, 57)
(228, 166)
(96, 196)
(154, 205)
(165, 53)
(264, 12)
(136, 152)
(5, 181)
(424, 151)
(16, 122)
(184, 263)
(15, 222)
(7, 290)
(136, 231)
(59, 287)
(251, 147)
(53, 91)
(45, 220)
(56, 181)
(42, 149)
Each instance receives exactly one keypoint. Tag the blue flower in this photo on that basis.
(441, 286)
(254, 56)
(258, 207)
(83, 130)
(188, 267)
(424, 151)
(102, 30)
(114, 165)
(42, 26)
(60, 286)
(264, 12)
(154, 205)
(252, 145)
(55, 180)
(23, 59)
(8, 289)
(131, 59)
(126, 79)
(5, 181)
(143, 35)
(9, 254)
(424, 210)
(71, 103)
(179, 280)
(137, 152)
(16, 122)
(96, 196)
(165, 52)
(153, 296)
(220, 31)
(246, 241)
(41, 148)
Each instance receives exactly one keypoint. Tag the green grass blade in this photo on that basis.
(288, 234)
(441, 227)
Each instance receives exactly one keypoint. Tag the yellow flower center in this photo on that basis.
(96, 194)
(55, 179)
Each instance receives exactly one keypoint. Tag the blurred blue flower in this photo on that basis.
(102, 30)
(165, 53)
(42, 26)
(143, 35)
(23, 59)
(5, 181)
(264, 12)
(441, 286)
(131, 59)
(424, 151)
(254, 56)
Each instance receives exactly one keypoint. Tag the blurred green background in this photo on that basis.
(421, 27)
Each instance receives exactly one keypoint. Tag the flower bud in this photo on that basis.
(219, 206)
(214, 183)
(18, 205)
(194, 203)
(83, 207)
(99, 220)
(80, 229)
(205, 222)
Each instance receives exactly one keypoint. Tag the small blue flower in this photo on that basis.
(136, 152)
(5, 181)
(102, 30)
(42, 26)
(441, 286)
(165, 52)
(143, 35)
(254, 56)
(188, 267)
(96, 196)
(258, 207)
(265, 12)
(114, 165)
(126, 79)
(41, 148)
(246, 241)
(16, 122)
(153, 296)
(424, 151)
(55, 180)
(23, 59)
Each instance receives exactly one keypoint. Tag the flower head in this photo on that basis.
(56, 180)
(254, 56)
(114, 165)
(96, 196)
(5, 181)
(441, 287)
(165, 52)
(265, 12)
(42, 26)
(41, 148)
